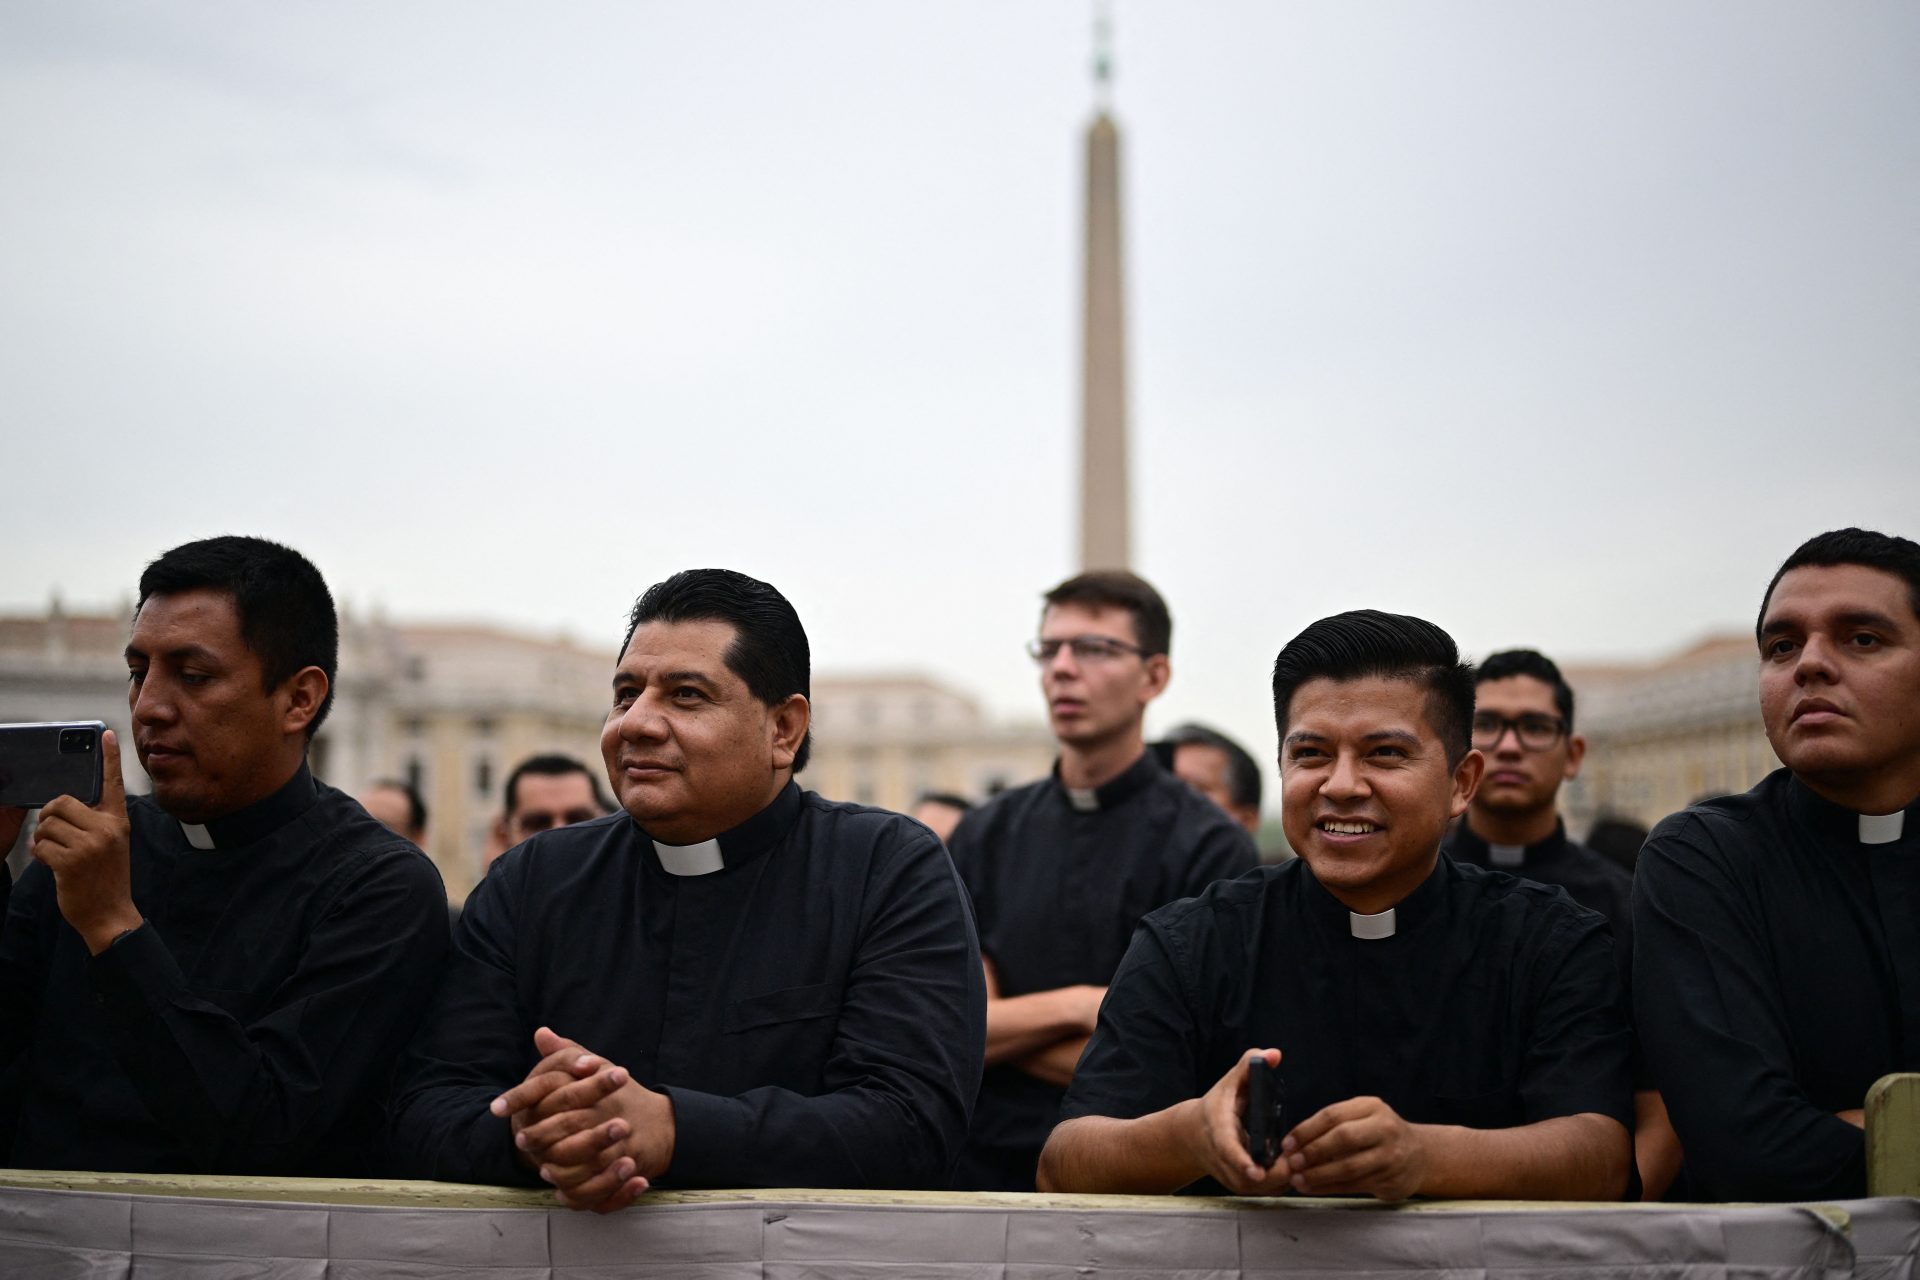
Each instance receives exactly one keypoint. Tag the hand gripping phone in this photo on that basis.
(1265, 1119)
(41, 761)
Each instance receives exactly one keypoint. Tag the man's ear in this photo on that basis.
(1466, 781)
(790, 722)
(1159, 672)
(1576, 752)
(304, 691)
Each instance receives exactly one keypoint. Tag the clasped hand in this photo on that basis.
(587, 1127)
(1358, 1147)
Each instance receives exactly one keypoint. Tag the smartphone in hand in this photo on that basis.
(57, 758)
(1265, 1118)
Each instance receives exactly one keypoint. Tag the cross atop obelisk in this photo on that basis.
(1104, 538)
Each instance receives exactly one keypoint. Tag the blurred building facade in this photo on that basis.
(1661, 735)
(451, 709)
(888, 739)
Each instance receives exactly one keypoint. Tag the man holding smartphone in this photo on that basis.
(1441, 1030)
(215, 978)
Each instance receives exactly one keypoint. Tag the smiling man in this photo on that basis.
(1440, 1030)
(216, 979)
(730, 983)
(1777, 959)
(1062, 870)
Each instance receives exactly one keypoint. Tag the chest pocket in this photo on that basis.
(790, 1004)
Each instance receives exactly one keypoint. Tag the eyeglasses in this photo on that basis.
(1536, 732)
(1085, 649)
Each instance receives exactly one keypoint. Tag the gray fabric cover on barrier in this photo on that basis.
(66, 1235)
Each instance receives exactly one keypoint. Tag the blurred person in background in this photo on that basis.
(1061, 870)
(941, 811)
(1218, 768)
(399, 807)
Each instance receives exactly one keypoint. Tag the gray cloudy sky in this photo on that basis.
(1557, 323)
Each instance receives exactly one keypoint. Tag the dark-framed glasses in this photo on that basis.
(1536, 732)
(1083, 648)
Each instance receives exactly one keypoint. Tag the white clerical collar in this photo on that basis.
(200, 838)
(1085, 799)
(1371, 928)
(690, 859)
(1507, 855)
(1882, 828)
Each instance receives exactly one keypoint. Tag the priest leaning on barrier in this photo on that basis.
(1777, 968)
(1437, 1029)
(729, 983)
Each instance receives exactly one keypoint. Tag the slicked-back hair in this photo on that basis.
(1118, 589)
(769, 649)
(1367, 642)
(551, 766)
(1243, 775)
(1529, 662)
(286, 612)
(1887, 552)
(416, 807)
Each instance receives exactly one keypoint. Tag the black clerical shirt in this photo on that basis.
(1059, 880)
(248, 1025)
(1776, 977)
(1494, 1003)
(1594, 882)
(814, 1009)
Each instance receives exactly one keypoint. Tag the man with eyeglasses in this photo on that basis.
(1523, 725)
(1061, 870)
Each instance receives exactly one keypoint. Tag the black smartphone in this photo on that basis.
(1265, 1119)
(41, 761)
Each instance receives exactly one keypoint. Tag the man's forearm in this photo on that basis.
(1656, 1147)
(1055, 1063)
(1583, 1157)
(1021, 1025)
(1145, 1156)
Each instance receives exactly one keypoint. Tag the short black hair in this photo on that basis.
(1884, 551)
(286, 612)
(1243, 775)
(1529, 662)
(1118, 589)
(947, 798)
(551, 766)
(1367, 642)
(769, 649)
(416, 807)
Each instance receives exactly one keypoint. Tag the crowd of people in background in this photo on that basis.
(714, 977)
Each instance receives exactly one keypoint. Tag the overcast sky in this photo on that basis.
(1559, 324)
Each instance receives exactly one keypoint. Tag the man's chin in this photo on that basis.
(1508, 800)
(1829, 760)
(184, 803)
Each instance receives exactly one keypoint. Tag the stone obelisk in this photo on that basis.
(1104, 500)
